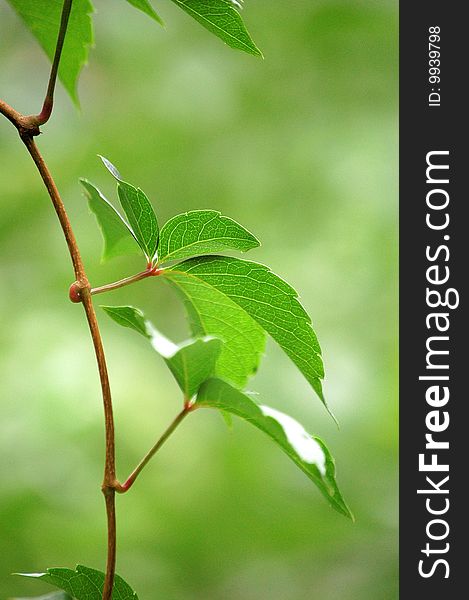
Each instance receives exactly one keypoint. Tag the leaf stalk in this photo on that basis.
(125, 487)
(149, 272)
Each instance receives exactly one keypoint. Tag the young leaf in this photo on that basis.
(118, 237)
(191, 363)
(141, 217)
(269, 300)
(42, 17)
(129, 316)
(147, 8)
(202, 232)
(221, 18)
(111, 168)
(83, 583)
(211, 312)
(139, 212)
(309, 453)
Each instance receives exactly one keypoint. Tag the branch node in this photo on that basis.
(28, 127)
(76, 289)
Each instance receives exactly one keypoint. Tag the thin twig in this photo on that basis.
(125, 487)
(23, 124)
(29, 124)
(46, 111)
(82, 280)
(10, 113)
(28, 128)
(59, 209)
(150, 272)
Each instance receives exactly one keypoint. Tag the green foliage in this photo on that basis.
(267, 299)
(191, 362)
(281, 187)
(146, 7)
(83, 583)
(211, 312)
(128, 316)
(118, 236)
(225, 297)
(42, 17)
(139, 212)
(141, 217)
(202, 232)
(221, 18)
(53, 596)
(309, 453)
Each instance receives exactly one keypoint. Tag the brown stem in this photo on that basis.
(23, 124)
(109, 481)
(85, 294)
(48, 104)
(59, 209)
(46, 111)
(110, 499)
(150, 272)
(28, 128)
(125, 487)
(29, 124)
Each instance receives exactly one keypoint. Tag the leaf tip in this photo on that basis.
(317, 386)
(110, 167)
(345, 510)
(257, 52)
(85, 184)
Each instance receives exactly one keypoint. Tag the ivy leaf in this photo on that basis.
(191, 362)
(118, 237)
(202, 232)
(147, 8)
(267, 299)
(83, 583)
(221, 18)
(42, 17)
(139, 212)
(212, 313)
(309, 453)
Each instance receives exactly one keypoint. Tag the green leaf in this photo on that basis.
(202, 232)
(147, 8)
(269, 300)
(309, 453)
(129, 316)
(191, 362)
(111, 168)
(141, 217)
(83, 583)
(139, 212)
(221, 18)
(212, 313)
(42, 17)
(53, 596)
(118, 237)
(227, 418)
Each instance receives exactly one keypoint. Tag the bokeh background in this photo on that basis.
(300, 148)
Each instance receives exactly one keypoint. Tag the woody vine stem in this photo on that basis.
(28, 127)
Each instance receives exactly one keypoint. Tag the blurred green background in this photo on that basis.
(301, 148)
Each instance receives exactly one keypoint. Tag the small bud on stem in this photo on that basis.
(74, 293)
